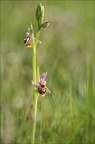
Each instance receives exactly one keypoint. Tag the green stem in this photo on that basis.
(37, 37)
(41, 121)
(35, 94)
(34, 118)
(34, 64)
(38, 75)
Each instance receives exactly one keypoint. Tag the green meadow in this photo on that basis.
(67, 54)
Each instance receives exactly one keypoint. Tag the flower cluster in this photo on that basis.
(41, 85)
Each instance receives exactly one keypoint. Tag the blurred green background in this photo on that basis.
(66, 115)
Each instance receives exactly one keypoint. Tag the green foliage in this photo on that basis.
(66, 116)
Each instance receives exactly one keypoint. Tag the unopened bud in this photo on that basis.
(40, 14)
(45, 24)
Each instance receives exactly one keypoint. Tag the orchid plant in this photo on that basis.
(39, 88)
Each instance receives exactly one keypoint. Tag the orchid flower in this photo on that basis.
(27, 41)
(41, 85)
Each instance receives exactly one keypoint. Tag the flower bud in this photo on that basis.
(45, 24)
(40, 15)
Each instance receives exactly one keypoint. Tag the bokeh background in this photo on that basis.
(66, 115)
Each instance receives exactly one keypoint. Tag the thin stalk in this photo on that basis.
(35, 93)
(37, 37)
(41, 121)
(34, 119)
(38, 75)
